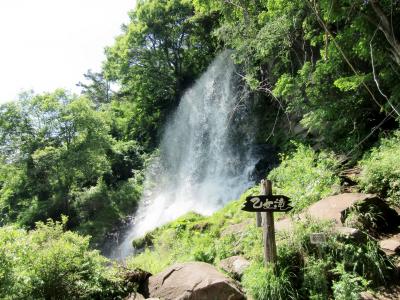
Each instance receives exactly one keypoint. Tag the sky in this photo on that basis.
(49, 44)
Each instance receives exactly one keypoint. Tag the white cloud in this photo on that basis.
(46, 44)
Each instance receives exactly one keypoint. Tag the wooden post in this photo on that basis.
(258, 219)
(258, 214)
(266, 204)
(268, 227)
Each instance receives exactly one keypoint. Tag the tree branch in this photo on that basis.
(375, 77)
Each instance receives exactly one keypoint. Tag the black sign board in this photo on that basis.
(267, 203)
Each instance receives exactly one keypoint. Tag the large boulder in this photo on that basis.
(234, 265)
(373, 214)
(335, 208)
(195, 281)
(390, 246)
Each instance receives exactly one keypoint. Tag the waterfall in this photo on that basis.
(204, 159)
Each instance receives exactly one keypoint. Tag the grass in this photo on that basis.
(306, 176)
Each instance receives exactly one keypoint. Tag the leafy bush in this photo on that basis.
(314, 267)
(381, 169)
(365, 259)
(50, 263)
(305, 176)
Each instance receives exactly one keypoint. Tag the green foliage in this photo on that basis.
(371, 218)
(316, 283)
(303, 58)
(194, 237)
(50, 263)
(349, 286)
(263, 283)
(305, 176)
(161, 51)
(381, 169)
(62, 159)
(83, 156)
(99, 207)
(366, 259)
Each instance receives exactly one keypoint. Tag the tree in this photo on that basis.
(328, 64)
(162, 50)
(60, 144)
(96, 88)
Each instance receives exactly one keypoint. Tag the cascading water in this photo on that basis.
(204, 158)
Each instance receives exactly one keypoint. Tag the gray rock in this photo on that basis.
(335, 208)
(349, 232)
(390, 246)
(194, 281)
(234, 265)
(238, 228)
(285, 224)
(135, 296)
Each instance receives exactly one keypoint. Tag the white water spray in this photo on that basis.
(204, 160)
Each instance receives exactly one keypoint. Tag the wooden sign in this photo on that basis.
(265, 205)
(272, 203)
(318, 238)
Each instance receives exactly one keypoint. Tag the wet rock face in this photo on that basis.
(194, 281)
(267, 159)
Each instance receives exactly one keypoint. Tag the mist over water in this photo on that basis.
(205, 157)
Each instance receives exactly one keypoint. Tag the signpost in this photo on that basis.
(267, 204)
(318, 238)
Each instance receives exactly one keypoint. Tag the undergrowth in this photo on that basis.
(381, 169)
(306, 176)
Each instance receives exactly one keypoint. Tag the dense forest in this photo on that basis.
(323, 78)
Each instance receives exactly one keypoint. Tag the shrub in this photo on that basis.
(50, 263)
(313, 266)
(381, 169)
(365, 259)
(305, 176)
